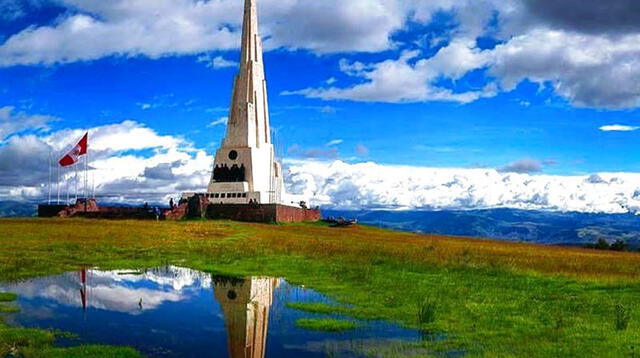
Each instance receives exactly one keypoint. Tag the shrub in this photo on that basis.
(619, 245)
(427, 311)
(601, 244)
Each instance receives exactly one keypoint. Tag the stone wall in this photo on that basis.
(119, 213)
(287, 214)
(91, 209)
(196, 207)
(266, 213)
(50, 210)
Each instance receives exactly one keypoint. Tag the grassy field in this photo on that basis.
(487, 298)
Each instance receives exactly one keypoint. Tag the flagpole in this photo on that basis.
(49, 175)
(76, 189)
(93, 184)
(86, 174)
(67, 185)
(58, 182)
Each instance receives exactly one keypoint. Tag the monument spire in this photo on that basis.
(246, 170)
(249, 117)
(250, 33)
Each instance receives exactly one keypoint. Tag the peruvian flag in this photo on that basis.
(74, 155)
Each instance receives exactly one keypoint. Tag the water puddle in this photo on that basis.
(179, 312)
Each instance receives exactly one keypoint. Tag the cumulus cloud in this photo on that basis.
(408, 79)
(24, 164)
(113, 290)
(96, 29)
(217, 62)
(93, 29)
(368, 185)
(618, 128)
(12, 122)
(588, 16)
(593, 67)
(588, 70)
(134, 163)
(586, 50)
(130, 163)
(334, 25)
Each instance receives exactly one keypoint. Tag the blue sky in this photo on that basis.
(448, 84)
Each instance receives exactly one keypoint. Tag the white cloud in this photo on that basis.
(117, 290)
(94, 28)
(618, 128)
(121, 27)
(220, 62)
(369, 185)
(222, 121)
(587, 53)
(334, 25)
(133, 163)
(217, 62)
(335, 142)
(12, 122)
(408, 79)
(588, 70)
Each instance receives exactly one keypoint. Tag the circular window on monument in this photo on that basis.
(233, 155)
(232, 295)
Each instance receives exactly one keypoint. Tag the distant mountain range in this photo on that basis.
(545, 227)
(17, 209)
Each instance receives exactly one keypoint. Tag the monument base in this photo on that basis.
(199, 206)
(264, 213)
(89, 208)
(50, 210)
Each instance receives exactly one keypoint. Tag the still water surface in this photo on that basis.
(179, 312)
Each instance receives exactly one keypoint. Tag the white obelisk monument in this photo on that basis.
(245, 168)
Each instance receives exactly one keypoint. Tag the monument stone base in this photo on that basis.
(264, 213)
(200, 206)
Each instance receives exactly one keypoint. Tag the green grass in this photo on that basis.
(486, 298)
(317, 307)
(7, 297)
(93, 351)
(325, 324)
(8, 308)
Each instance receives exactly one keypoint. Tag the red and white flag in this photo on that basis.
(74, 155)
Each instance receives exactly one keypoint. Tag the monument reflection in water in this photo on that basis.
(246, 304)
(179, 312)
